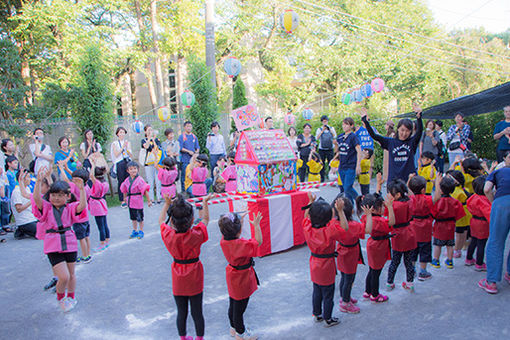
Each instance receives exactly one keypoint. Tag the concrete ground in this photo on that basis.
(125, 293)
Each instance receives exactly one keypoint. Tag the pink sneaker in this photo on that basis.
(379, 298)
(457, 254)
(354, 301)
(481, 268)
(507, 277)
(408, 286)
(366, 296)
(469, 262)
(348, 308)
(490, 288)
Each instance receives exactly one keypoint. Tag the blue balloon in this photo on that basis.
(358, 97)
(366, 90)
(307, 114)
(232, 66)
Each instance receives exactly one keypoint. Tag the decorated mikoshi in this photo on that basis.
(163, 114)
(289, 20)
(232, 67)
(290, 119)
(307, 113)
(187, 99)
(137, 126)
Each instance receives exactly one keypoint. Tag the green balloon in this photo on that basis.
(346, 98)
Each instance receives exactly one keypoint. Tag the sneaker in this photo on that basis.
(424, 276)
(449, 264)
(54, 290)
(87, 259)
(366, 296)
(348, 307)
(331, 322)
(354, 301)
(457, 254)
(469, 262)
(408, 286)
(51, 284)
(63, 305)
(124, 205)
(318, 318)
(67, 304)
(481, 268)
(134, 234)
(140, 234)
(390, 286)
(507, 278)
(71, 303)
(490, 288)
(99, 248)
(246, 335)
(379, 298)
(435, 263)
(79, 259)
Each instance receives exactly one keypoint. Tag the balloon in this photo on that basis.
(346, 98)
(232, 66)
(377, 84)
(366, 90)
(187, 98)
(307, 114)
(357, 95)
(290, 119)
(163, 114)
(137, 126)
(289, 20)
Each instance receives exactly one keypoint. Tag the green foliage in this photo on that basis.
(482, 126)
(93, 106)
(205, 109)
(238, 99)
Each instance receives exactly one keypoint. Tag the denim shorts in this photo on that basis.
(81, 230)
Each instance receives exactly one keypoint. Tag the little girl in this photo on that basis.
(315, 166)
(199, 174)
(133, 188)
(167, 175)
(183, 241)
(462, 225)
(56, 214)
(242, 280)
(349, 252)
(333, 166)
(219, 183)
(229, 175)
(97, 205)
(403, 241)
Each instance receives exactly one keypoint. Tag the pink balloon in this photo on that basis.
(377, 84)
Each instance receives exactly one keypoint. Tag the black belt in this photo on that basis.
(424, 217)
(247, 266)
(364, 173)
(325, 256)
(314, 173)
(96, 198)
(446, 219)
(198, 182)
(401, 225)
(187, 261)
(481, 218)
(167, 185)
(134, 193)
(59, 231)
(428, 194)
(382, 237)
(232, 179)
(352, 246)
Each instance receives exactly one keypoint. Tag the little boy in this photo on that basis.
(366, 171)
(427, 170)
(446, 210)
(421, 207)
(82, 229)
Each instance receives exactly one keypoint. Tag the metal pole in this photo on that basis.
(210, 59)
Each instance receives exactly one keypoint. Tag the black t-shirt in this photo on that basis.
(347, 149)
(151, 144)
(304, 152)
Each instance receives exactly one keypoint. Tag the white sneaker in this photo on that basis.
(246, 335)
(67, 304)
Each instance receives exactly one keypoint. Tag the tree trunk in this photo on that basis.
(157, 59)
(132, 82)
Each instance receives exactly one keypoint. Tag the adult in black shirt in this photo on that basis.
(305, 143)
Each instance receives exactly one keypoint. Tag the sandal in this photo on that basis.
(379, 298)
(8, 229)
(2, 232)
(3, 240)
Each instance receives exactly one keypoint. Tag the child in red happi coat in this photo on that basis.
(183, 241)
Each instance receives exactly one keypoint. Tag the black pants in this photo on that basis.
(396, 257)
(102, 226)
(323, 299)
(326, 157)
(499, 155)
(479, 244)
(121, 176)
(26, 230)
(346, 283)
(372, 282)
(196, 313)
(236, 310)
(365, 189)
(303, 170)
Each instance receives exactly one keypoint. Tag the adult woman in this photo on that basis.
(430, 139)
(89, 149)
(121, 154)
(401, 149)
(150, 155)
(349, 151)
(499, 226)
(292, 136)
(305, 143)
(66, 156)
(458, 136)
(502, 134)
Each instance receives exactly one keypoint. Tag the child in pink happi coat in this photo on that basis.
(133, 188)
(199, 175)
(167, 175)
(229, 175)
(97, 205)
(57, 212)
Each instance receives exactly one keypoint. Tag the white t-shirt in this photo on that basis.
(26, 215)
(117, 146)
(41, 162)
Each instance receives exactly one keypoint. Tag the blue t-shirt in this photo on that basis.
(503, 141)
(188, 142)
(347, 149)
(60, 155)
(365, 140)
(501, 179)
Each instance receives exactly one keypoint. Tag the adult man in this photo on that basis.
(26, 223)
(502, 133)
(325, 136)
(269, 123)
(216, 145)
(189, 146)
(41, 153)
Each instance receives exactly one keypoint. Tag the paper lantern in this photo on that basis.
(366, 90)
(347, 98)
(377, 84)
(357, 95)
(232, 66)
(290, 119)
(137, 126)
(307, 114)
(289, 20)
(163, 114)
(187, 99)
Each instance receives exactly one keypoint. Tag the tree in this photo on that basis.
(238, 99)
(93, 106)
(205, 109)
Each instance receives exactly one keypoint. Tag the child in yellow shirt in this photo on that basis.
(462, 225)
(333, 165)
(314, 166)
(299, 164)
(427, 170)
(366, 171)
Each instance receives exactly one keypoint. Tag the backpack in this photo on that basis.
(326, 140)
(31, 165)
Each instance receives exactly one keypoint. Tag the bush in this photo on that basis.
(238, 99)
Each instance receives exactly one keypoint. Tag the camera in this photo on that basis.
(210, 134)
